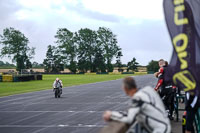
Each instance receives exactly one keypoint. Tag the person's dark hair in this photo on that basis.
(161, 60)
(166, 63)
(129, 83)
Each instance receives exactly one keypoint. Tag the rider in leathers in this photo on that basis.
(58, 84)
(165, 89)
(146, 108)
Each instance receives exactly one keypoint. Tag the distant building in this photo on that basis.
(7, 70)
(124, 69)
(142, 69)
(117, 69)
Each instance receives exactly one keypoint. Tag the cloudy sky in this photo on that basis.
(139, 24)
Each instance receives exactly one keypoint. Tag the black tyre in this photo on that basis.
(59, 93)
(56, 93)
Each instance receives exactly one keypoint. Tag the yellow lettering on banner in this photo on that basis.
(180, 43)
(177, 20)
(181, 49)
(179, 8)
(190, 84)
(178, 38)
(177, 2)
(184, 63)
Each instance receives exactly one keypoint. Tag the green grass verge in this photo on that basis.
(11, 88)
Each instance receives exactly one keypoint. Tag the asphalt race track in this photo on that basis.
(79, 110)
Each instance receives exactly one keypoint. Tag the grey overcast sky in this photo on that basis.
(139, 24)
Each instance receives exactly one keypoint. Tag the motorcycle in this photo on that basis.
(58, 92)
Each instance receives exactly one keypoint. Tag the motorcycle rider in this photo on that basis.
(58, 84)
(146, 109)
(165, 88)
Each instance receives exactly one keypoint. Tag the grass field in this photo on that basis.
(10, 88)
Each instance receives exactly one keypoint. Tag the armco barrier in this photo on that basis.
(20, 78)
(80, 73)
(102, 73)
(150, 72)
(35, 77)
(90, 73)
(39, 77)
(114, 73)
(15, 79)
(26, 78)
(140, 73)
(7, 78)
(119, 127)
(115, 127)
(127, 72)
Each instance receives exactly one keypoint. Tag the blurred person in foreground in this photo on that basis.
(146, 109)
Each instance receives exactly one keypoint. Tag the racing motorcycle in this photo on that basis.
(58, 92)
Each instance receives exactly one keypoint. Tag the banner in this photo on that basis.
(183, 22)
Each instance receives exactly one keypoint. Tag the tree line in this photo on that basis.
(11, 65)
(84, 50)
(6, 65)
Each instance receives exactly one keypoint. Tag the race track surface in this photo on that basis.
(79, 110)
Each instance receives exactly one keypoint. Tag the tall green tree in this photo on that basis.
(153, 66)
(87, 49)
(54, 61)
(132, 65)
(67, 47)
(2, 63)
(109, 42)
(86, 41)
(6, 64)
(118, 61)
(37, 65)
(15, 46)
(99, 60)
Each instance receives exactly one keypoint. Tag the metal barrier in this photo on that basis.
(18, 78)
(27, 77)
(0, 78)
(177, 109)
(115, 127)
(7, 78)
(119, 127)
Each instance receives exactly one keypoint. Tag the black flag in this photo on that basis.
(183, 22)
